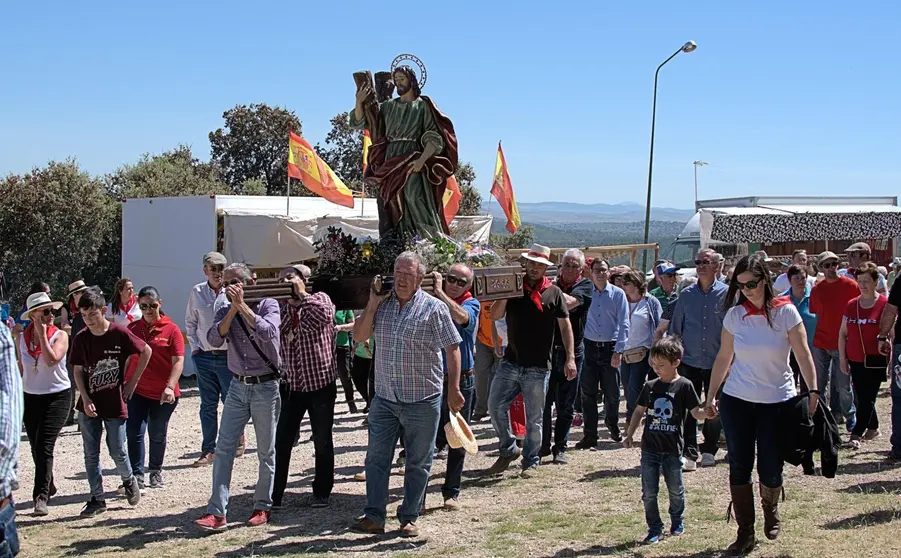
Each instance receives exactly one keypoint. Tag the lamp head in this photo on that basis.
(689, 46)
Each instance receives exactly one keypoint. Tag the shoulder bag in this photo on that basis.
(275, 369)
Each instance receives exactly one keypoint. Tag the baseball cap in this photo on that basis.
(214, 258)
(859, 247)
(827, 255)
(763, 255)
(666, 267)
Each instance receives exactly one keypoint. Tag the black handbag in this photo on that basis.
(279, 373)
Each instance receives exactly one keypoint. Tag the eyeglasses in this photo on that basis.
(47, 312)
(829, 265)
(750, 285)
(151, 306)
(704, 262)
(457, 280)
(234, 282)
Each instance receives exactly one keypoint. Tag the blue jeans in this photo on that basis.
(895, 381)
(213, 381)
(748, 425)
(509, 381)
(419, 422)
(599, 376)
(652, 465)
(262, 403)
(453, 477)
(562, 393)
(841, 394)
(9, 535)
(634, 377)
(147, 416)
(91, 431)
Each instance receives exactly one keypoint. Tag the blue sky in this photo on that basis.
(782, 98)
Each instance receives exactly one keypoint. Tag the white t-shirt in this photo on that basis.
(47, 379)
(760, 372)
(782, 284)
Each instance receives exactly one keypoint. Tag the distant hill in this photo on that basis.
(565, 212)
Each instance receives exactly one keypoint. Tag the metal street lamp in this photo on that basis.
(686, 48)
(698, 164)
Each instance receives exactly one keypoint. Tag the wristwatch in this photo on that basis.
(882, 338)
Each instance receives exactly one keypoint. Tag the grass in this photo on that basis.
(590, 507)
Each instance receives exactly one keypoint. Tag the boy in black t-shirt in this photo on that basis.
(666, 402)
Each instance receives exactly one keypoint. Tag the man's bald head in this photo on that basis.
(461, 271)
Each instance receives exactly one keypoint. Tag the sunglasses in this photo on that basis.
(456, 280)
(750, 285)
(829, 265)
(46, 312)
(234, 282)
(151, 306)
(704, 262)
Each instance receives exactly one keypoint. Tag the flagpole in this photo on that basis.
(288, 198)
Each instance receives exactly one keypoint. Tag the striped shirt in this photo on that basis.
(308, 343)
(11, 406)
(408, 362)
(200, 315)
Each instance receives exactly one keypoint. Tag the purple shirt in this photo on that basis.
(243, 359)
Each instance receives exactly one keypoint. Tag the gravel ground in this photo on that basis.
(591, 506)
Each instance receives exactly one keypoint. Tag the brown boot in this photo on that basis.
(769, 501)
(743, 507)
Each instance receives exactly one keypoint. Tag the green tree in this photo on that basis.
(173, 173)
(524, 237)
(343, 152)
(253, 145)
(471, 202)
(54, 221)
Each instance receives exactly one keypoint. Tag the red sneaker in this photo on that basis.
(258, 517)
(211, 522)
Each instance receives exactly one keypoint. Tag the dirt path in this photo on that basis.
(590, 507)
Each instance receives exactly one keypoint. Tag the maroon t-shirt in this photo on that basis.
(103, 359)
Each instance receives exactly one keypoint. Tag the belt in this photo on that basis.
(217, 352)
(601, 343)
(250, 380)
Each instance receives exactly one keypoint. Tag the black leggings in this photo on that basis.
(360, 372)
(342, 355)
(44, 418)
(867, 382)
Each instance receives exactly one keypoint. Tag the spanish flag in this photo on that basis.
(367, 142)
(305, 165)
(451, 200)
(502, 190)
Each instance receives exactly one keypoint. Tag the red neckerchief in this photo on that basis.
(131, 304)
(463, 298)
(535, 293)
(752, 310)
(564, 286)
(35, 351)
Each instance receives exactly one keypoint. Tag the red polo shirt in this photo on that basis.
(167, 341)
(829, 301)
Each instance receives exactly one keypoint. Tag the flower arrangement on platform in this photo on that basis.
(343, 254)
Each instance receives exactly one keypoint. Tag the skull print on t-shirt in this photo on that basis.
(668, 404)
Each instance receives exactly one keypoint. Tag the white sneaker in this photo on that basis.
(688, 465)
(707, 460)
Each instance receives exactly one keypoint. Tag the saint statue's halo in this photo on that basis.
(423, 75)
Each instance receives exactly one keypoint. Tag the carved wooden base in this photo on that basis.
(351, 292)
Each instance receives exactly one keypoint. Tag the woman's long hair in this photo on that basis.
(756, 265)
(117, 294)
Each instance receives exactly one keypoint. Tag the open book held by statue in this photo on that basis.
(413, 151)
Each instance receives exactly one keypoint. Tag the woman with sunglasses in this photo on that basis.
(157, 393)
(123, 310)
(644, 316)
(759, 331)
(858, 347)
(48, 397)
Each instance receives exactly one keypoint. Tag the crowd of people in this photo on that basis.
(740, 348)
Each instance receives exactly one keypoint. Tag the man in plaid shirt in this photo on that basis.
(308, 361)
(411, 328)
(10, 433)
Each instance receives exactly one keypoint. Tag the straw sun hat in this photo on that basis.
(459, 435)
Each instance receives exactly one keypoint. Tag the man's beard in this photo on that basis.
(401, 90)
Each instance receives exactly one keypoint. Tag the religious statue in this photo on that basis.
(413, 151)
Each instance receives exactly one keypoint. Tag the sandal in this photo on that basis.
(853, 443)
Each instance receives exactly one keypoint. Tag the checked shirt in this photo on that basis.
(308, 343)
(408, 361)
